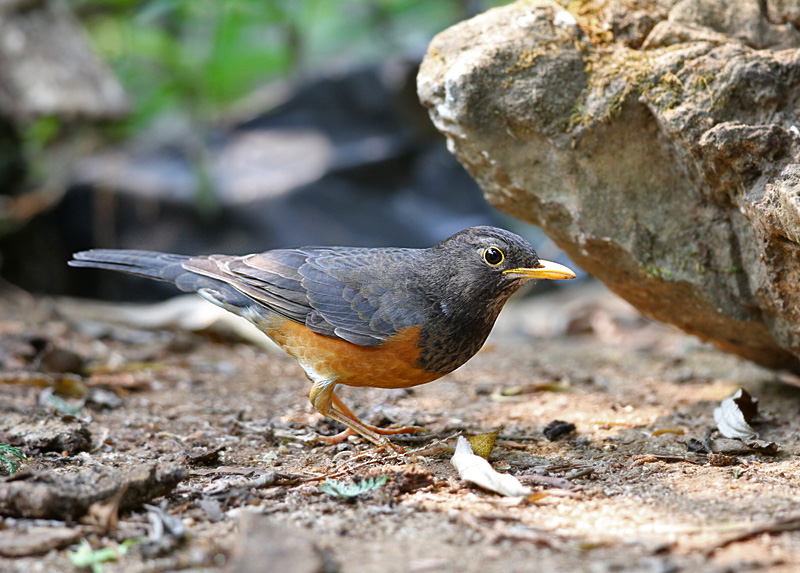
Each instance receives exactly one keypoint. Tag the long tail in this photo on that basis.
(150, 264)
(164, 267)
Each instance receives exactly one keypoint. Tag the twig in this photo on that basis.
(649, 458)
(549, 481)
(580, 472)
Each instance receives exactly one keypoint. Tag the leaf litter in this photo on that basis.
(611, 518)
(734, 414)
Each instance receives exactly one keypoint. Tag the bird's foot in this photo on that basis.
(336, 438)
(379, 432)
(397, 429)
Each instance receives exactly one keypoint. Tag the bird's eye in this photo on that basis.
(493, 256)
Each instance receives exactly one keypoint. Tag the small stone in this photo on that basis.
(558, 428)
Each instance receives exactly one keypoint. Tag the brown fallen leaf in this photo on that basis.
(203, 457)
(642, 459)
(721, 460)
(650, 458)
(763, 446)
(105, 514)
(401, 479)
(121, 382)
(676, 431)
(519, 390)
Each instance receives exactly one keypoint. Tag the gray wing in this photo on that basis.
(363, 296)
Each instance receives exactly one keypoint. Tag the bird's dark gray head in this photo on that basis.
(468, 278)
(493, 261)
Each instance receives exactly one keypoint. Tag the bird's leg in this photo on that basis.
(322, 398)
(391, 431)
(341, 436)
(336, 438)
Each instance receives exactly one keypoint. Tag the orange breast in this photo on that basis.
(391, 365)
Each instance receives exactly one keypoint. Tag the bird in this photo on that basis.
(366, 317)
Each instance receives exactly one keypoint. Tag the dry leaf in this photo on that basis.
(676, 431)
(483, 444)
(721, 460)
(733, 413)
(478, 471)
(763, 446)
(747, 404)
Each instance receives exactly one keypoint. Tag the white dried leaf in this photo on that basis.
(478, 471)
(731, 420)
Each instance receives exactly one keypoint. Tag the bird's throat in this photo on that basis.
(448, 341)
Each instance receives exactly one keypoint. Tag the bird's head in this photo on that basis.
(487, 262)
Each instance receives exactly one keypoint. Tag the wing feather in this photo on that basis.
(358, 295)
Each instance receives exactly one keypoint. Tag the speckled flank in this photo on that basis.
(391, 365)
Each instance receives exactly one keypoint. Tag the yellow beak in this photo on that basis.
(545, 270)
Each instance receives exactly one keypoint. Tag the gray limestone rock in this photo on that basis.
(671, 171)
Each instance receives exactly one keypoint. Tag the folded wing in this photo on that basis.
(363, 296)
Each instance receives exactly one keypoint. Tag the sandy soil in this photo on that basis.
(624, 491)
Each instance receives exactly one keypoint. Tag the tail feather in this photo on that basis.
(150, 264)
(164, 267)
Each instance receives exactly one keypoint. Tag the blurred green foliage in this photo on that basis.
(189, 64)
(197, 57)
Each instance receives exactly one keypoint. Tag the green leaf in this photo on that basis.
(62, 406)
(85, 556)
(6, 453)
(344, 490)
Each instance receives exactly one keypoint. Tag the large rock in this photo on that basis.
(657, 148)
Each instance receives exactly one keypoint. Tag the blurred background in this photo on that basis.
(231, 126)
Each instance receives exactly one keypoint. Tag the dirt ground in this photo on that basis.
(201, 449)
